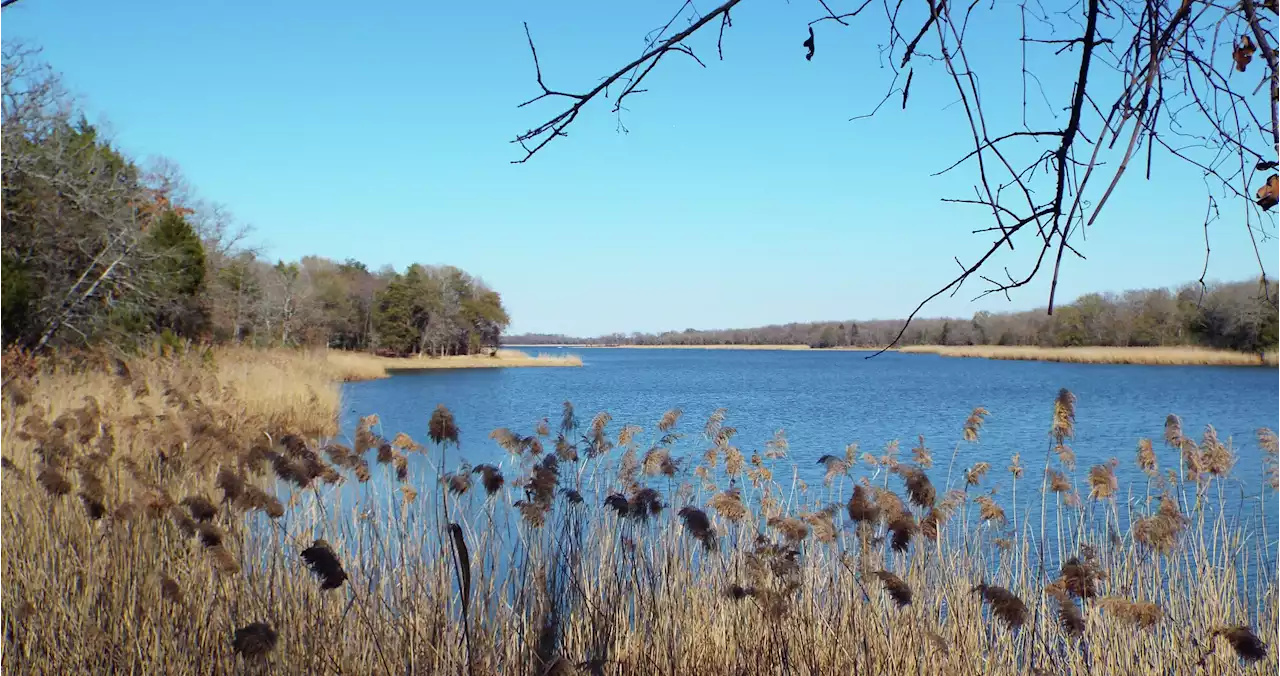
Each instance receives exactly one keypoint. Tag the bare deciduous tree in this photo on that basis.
(1178, 80)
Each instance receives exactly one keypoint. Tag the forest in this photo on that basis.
(1239, 316)
(101, 249)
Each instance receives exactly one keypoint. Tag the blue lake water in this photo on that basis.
(826, 400)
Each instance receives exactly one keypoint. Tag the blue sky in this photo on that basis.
(742, 194)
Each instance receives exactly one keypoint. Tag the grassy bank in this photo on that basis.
(1171, 356)
(159, 517)
(364, 366)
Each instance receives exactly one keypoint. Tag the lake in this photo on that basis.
(827, 400)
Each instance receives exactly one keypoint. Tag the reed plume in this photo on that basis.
(861, 507)
(989, 510)
(324, 564)
(1015, 466)
(53, 481)
(669, 420)
(1147, 458)
(973, 476)
(1270, 461)
(169, 590)
(1102, 480)
(822, 524)
(1138, 613)
(254, 640)
(490, 477)
(442, 428)
(897, 589)
(1079, 578)
(902, 526)
(1218, 458)
(973, 424)
(921, 454)
(201, 507)
(729, 505)
(1004, 604)
(1173, 431)
(1058, 482)
(920, 490)
(734, 462)
(794, 530)
(1162, 530)
(699, 526)
(1247, 645)
(1069, 616)
(835, 467)
(1064, 417)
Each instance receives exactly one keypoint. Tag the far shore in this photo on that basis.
(703, 347)
(1151, 356)
(353, 366)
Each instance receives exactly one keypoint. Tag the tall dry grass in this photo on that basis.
(1154, 356)
(354, 366)
(196, 533)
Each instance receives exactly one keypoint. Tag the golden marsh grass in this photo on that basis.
(1169, 356)
(363, 366)
(163, 517)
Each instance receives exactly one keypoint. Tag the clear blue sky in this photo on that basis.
(742, 195)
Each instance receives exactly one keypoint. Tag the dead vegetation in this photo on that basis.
(180, 513)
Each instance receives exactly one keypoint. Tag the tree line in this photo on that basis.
(100, 249)
(1238, 316)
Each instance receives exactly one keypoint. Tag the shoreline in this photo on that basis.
(1144, 356)
(734, 346)
(358, 366)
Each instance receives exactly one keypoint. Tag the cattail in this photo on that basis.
(324, 564)
(794, 530)
(210, 535)
(973, 476)
(54, 482)
(669, 420)
(989, 510)
(973, 424)
(1064, 417)
(1247, 645)
(1139, 613)
(1015, 466)
(861, 507)
(698, 525)
(896, 588)
(1069, 616)
(201, 508)
(169, 590)
(729, 505)
(1147, 458)
(223, 561)
(1004, 604)
(919, 489)
(254, 640)
(442, 428)
(1102, 480)
(922, 455)
(490, 477)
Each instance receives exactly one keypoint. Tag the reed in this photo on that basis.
(1155, 356)
(355, 366)
(232, 537)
